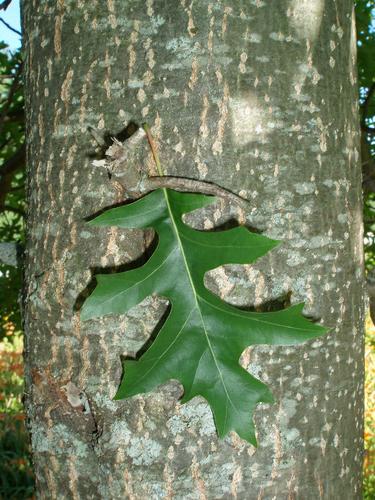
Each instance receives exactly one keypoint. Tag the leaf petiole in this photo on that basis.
(153, 147)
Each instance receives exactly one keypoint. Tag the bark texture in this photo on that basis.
(261, 98)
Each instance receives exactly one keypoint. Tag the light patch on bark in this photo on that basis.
(189, 11)
(41, 127)
(278, 454)
(128, 483)
(217, 146)
(65, 88)
(112, 247)
(323, 135)
(236, 480)
(49, 66)
(242, 65)
(195, 472)
(51, 477)
(194, 74)
(148, 77)
(293, 490)
(101, 123)
(150, 54)
(107, 358)
(203, 129)
(143, 450)
(141, 95)
(202, 167)
(150, 9)
(306, 17)
(247, 117)
(227, 10)
(84, 92)
(44, 42)
(107, 79)
(131, 50)
(219, 75)
(179, 148)
(211, 32)
(57, 34)
(169, 476)
(112, 17)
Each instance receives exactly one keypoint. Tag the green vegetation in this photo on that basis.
(365, 15)
(12, 192)
(16, 478)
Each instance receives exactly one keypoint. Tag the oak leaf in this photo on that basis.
(202, 338)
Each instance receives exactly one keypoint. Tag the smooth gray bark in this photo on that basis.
(260, 97)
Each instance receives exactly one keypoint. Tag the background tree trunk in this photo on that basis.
(261, 98)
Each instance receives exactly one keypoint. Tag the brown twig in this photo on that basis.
(10, 27)
(4, 5)
(185, 184)
(196, 186)
(153, 147)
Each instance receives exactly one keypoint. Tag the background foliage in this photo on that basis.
(12, 193)
(365, 16)
(16, 475)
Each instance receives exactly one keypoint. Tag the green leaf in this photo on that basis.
(203, 337)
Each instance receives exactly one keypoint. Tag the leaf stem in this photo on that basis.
(152, 144)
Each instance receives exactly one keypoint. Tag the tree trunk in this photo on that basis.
(259, 97)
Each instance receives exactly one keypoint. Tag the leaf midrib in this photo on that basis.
(175, 229)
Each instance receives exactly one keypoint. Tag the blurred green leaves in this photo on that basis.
(12, 182)
(364, 10)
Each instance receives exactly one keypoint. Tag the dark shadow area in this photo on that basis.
(108, 207)
(282, 302)
(151, 240)
(231, 224)
(277, 304)
(16, 479)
